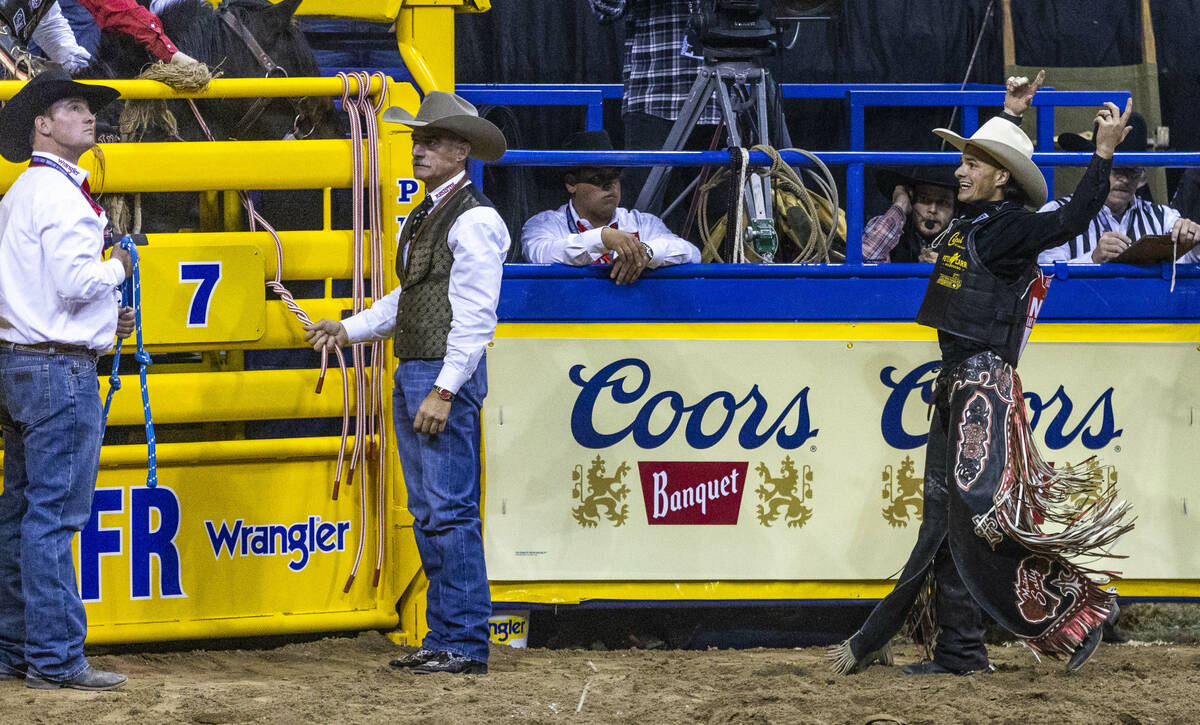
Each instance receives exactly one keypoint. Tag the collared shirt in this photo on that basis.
(553, 237)
(658, 77)
(130, 18)
(53, 285)
(479, 241)
(54, 36)
(882, 233)
(1141, 218)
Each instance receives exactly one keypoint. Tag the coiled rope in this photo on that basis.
(812, 227)
(131, 296)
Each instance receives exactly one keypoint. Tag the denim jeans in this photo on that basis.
(50, 414)
(441, 475)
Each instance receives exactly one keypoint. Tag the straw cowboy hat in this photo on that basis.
(451, 112)
(50, 86)
(1005, 142)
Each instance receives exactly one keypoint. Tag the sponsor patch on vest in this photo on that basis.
(955, 260)
(956, 240)
(953, 281)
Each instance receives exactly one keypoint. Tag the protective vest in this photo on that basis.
(22, 16)
(964, 298)
(423, 314)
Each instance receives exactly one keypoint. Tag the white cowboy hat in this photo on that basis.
(455, 114)
(1005, 142)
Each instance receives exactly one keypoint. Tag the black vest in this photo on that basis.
(964, 298)
(22, 16)
(423, 314)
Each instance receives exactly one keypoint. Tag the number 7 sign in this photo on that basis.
(207, 274)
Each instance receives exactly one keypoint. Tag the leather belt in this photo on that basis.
(50, 348)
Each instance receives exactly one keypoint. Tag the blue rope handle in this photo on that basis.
(131, 295)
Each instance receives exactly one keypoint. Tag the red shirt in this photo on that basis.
(126, 16)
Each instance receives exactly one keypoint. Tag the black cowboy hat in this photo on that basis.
(53, 84)
(888, 179)
(1134, 142)
(590, 141)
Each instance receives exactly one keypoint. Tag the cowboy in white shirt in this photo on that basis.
(1125, 217)
(591, 229)
(441, 317)
(58, 311)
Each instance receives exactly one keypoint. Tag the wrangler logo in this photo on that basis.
(299, 540)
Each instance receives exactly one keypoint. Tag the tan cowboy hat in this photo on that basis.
(1005, 142)
(453, 113)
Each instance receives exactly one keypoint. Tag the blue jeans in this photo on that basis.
(50, 414)
(441, 475)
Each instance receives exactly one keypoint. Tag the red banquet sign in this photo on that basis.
(692, 492)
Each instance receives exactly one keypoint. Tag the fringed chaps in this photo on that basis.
(1016, 526)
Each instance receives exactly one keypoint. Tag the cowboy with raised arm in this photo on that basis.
(981, 546)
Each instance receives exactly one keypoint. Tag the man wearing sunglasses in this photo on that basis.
(1125, 216)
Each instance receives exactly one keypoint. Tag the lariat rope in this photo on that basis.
(284, 294)
(131, 296)
(362, 114)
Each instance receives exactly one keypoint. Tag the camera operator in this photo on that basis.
(658, 77)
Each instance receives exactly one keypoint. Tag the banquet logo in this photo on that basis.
(625, 384)
(1062, 428)
(692, 492)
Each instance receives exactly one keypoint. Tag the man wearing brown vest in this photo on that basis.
(440, 318)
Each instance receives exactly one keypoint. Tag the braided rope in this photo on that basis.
(131, 296)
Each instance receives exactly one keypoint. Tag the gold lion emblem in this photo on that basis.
(901, 490)
(600, 494)
(1100, 479)
(784, 494)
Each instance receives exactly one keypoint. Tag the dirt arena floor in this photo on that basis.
(346, 680)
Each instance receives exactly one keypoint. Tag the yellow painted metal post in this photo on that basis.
(425, 36)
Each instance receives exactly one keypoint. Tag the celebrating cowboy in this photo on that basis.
(440, 318)
(58, 312)
(988, 493)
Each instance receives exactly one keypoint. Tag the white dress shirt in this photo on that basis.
(1141, 218)
(54, 36)
(53, 285)
(479, 241)
(553, 237)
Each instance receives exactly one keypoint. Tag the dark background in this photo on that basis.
(897, 41)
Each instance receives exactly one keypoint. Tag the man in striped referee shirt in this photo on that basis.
(1125, 217)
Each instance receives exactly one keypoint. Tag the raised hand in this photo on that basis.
(1019, 92)
(1111, 128)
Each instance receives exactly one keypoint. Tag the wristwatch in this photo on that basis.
(442, 393)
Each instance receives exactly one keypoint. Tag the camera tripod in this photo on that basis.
(762, 113)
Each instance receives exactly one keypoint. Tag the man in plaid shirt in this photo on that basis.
(657, 76)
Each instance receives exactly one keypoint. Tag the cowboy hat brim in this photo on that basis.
(16, 118)
(1024, 172)
(486, 139)
(886, 180)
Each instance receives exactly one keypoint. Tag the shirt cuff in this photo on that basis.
(118, 270)
(357, 329)
(451, 378)
(593, 242)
